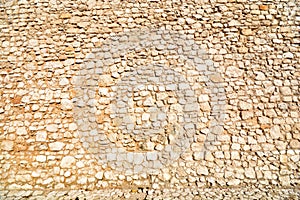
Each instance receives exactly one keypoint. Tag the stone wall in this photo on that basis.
(215, 105)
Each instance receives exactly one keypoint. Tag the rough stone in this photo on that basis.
(21, 131)
(7, 145)
(56, 146)
(202, 170)
(41, 158)
(67, 162)
(52, 128)
(41, 136)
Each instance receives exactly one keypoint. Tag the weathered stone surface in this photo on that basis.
(41, 158)
(234, 72)
(276, 132)
(41, 136)
(250, 173)
(7, 145)
(56, 146)
(66, 104)
(52, 128)
(22, 131)
(202, 170)
(87, 103)
(67, 162)
(243, 105)
(99, 175)
(295, 144)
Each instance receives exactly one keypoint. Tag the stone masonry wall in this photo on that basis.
(152, 118)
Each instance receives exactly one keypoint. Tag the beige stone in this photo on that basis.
(247, 32)
(295, 144)
(67, 162)
(7, 145)
(65, 16)
(56, 146)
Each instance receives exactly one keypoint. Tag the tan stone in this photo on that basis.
(295, 144)
(276, 132)
(67, 162)
(7, 145)
(65, 16)
(216, 78)
(247, 32)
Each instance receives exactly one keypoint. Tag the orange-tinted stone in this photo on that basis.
(16, 100)
(263, 7)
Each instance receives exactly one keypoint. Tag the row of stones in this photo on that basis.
(142, 193)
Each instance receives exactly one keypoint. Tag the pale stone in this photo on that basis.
(52, 128)
(150, 146)
(285, 180)
(21, 131)
(152, 155)
(286, 90)
(247, 114)
(250, 173)
(82, 180)
(108, 175)
(72, 127)
(35, 107)
(171, 87)
(235, 155)
(47, 181)
(288, 55)
(66, 104)
(202, 170)
(267, 174)
(235, 146)
(56, 146)
(67, 162)
(67, 174)
(198, 155)
(36, 174)
(234, 182)
(166, 176)
(190, 21)
(209, 156)
(184, 86)
(295, 144)
(105, 80)
(234, 23)
(148, 102)
(205, 106)
(247, 32)
(33, 43)
(197, 146)
(99, 175)
(145, 116)
(41, 158)
(63, 82)
(219, 154)
(41, 136)
(260, 76)
(276, 132)
(234, 72)
(243, 105)
(264, 120)
(7, 145)
(80, 164)
(203, 98)
(138, 158)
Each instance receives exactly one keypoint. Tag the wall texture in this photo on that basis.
(233, 114)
